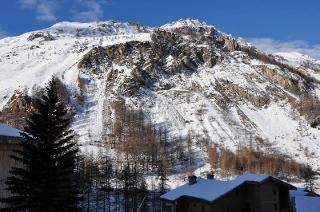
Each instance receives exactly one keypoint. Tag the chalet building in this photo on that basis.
(9, 140)
(246, 193)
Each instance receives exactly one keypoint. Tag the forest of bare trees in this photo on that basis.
(139, 151)
(135, 151)
(245, 159)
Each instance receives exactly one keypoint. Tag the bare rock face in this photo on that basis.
(211, 57)
(17, 110)
(230, 43)
(310, 65)
(92, 59)
(45, 36)
(240, 94)
(107, 28)
(202, 34)
(166, 41)
(149, 59)
(19, 102)
(183, 50)
(21, 105)
(297, 85)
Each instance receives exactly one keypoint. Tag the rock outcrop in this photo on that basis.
(17, 110)
(44, 36)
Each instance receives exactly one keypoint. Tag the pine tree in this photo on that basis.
(143, 197)
(107, 174)
(125, 177)
(163, 170)
(45, 179)
(309, 176)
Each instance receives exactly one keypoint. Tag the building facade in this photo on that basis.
(9, 141)
(267, 195)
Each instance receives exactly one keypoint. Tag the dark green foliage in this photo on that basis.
(106, 175)
(44, 180)
(309, 176)
(143, 198)
(127, 177)
(315, 123)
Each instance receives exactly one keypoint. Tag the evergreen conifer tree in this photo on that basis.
(143, 196)
(44, 180)
(309, 176)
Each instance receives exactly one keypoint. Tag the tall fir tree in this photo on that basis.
(310, 176)
(45, 178)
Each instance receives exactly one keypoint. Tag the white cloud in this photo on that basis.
(89, 10)
(271, 46)
(81, 10)
(27, 3)
(45, 9)
(3, 33)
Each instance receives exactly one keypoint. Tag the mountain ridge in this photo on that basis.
(186, 75)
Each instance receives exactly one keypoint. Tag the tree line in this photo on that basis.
(53, 175)
(246, 159)
(128, 174)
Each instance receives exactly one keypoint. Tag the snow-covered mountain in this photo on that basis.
(186, 75)
(296, 59)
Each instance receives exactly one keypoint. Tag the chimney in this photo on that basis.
(192, 179)
(210, 176)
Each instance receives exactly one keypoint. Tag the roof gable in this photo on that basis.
(210, 190)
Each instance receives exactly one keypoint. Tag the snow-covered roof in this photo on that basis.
(304, 202)
(303, 192)
(307, 204)
(210, 190)
(6, 130)
(298, 192)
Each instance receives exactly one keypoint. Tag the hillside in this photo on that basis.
(185, 76)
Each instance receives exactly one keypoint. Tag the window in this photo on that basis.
(194, 204)
(274, 191)
(167, 207)
(276, 206)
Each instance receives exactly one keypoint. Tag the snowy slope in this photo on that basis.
(300, 60)
(232, 102)
(27, 65)
(296, 58)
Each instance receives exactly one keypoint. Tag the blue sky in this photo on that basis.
(277, 24)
